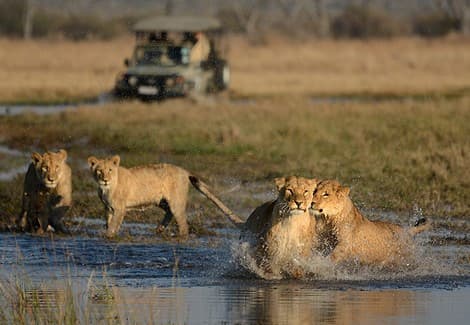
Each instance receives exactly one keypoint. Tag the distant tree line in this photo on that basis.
(254, 18)
(358, 19)
(24, 19)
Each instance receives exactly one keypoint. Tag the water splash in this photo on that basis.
(425, 262)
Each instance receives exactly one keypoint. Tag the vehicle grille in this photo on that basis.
(151, 80)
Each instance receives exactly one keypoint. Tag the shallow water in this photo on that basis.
(46, 109)
(201, 281)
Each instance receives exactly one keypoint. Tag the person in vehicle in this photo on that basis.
(201, 48)
(161, 37)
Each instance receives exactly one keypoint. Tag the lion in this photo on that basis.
(359, 239)
(47, 193)
(283, 229)
(165, 185)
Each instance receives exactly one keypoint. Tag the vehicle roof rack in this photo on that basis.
(177, 24)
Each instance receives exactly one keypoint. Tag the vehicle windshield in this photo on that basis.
(161, 55)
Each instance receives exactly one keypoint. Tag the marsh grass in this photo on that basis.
(23, 302)
(67, 299)
(394, 154)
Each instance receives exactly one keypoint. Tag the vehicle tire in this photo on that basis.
(222, 75)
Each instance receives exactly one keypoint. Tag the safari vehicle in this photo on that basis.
(160, 65)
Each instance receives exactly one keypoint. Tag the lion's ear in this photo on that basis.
(115, 160)
(344, 190)
(36, 157)
(63, 154)
(280, 182)
(92, 161)
(314, 183)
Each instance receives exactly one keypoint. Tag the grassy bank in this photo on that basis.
(65, 71)
(395, 155)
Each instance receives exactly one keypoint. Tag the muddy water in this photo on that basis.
(202, 281)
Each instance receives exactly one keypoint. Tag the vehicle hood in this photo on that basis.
(153, 70)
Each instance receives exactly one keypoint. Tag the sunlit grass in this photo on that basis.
(59, 71)
(395, 155)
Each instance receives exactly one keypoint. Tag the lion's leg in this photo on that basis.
(22, 220)
(178, 209)
(56, 219)
(43, 219)
(339, 255)
(168, 215)
(108, 214)
(59, 207)
(115, 216)
(264, 259)
(41, 211)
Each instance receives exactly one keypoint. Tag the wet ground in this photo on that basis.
(202, 280)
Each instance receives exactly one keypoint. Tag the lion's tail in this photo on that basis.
(204, 189)
(421, 225)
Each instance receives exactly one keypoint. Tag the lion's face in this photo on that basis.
(329, 198)
(49, 167)
(295, 194)
(105, 171)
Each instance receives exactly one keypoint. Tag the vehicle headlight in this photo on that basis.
(132, 80)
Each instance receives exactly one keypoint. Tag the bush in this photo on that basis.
(365, 22)
(12, 17)
(46, 23)
(230, 21)
(79, 27)
(434, 24)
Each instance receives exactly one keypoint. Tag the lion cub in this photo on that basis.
(162, 184)
(47, 193)
(359, 239)
(283, 229)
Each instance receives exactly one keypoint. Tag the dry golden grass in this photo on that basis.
(62, 70)
(35, 71)
(400, 66)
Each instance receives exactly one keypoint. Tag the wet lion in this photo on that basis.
(47, 193)
(165, 185)
(283, 229)
(358, 238)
